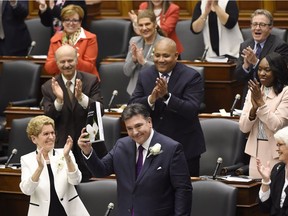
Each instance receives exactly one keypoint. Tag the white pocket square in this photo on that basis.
(159, 168)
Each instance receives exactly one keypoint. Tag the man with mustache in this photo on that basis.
(68, 106)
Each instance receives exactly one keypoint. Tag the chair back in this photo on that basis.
(96, 195)
(113, 78)
(281, 33)
(112, 130)
(113, 37)
(19, 140)
(40, 34)
(200, 70)
(193, 43)
(213, 198)
(19, 84)
(224, 139)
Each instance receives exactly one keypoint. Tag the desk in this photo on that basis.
(221, 85)
(14, 202)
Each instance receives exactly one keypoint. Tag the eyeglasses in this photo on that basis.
(261, 25)
(73, 21)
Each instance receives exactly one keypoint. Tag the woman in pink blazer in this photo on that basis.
(265, 111)
(48, 175)
(167, 15)
(85, 42)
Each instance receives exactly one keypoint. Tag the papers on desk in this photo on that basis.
(222, 112)
(220, 59)
(236, 178)
(39, 56)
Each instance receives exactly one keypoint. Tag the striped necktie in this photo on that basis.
(70, 94)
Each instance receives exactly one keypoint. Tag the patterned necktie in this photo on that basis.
(68, 84)
(139, 163)
(2, 35)
(165, 76)
(258, 50)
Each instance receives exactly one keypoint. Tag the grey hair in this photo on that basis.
(263, 12)
(282, 135)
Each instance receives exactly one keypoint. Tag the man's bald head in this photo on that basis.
(64, 50)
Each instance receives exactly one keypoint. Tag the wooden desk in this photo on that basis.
(12, 200)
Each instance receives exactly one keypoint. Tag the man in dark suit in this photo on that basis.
(250, 55)
(173, 102)
(14, 35)
(70, 114)
(161, 186)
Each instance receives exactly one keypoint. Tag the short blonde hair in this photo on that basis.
(36, 124)
(70, 10)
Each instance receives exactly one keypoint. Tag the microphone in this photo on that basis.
(14, 152)
(219, 162)
(203, 58)
(114, 93)
(237, 97)
(33, 44)
(110, 207)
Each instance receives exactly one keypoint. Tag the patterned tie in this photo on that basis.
(70, 94)
(258, 50)
(139, 163)
(2, 35)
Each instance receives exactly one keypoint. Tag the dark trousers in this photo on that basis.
(194, 166)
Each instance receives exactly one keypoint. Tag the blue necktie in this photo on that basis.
(140, 160)
(258, 50)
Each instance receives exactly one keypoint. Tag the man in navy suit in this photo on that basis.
(249, 57)
(163, 186)
(173, 102)
(15, 38)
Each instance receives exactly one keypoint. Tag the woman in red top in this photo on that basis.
(85, 42)
(167, 15)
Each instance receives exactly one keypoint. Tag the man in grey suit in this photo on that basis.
(254, 49)
(162, 186)
(70, 114)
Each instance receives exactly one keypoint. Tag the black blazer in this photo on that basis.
(272, 205)
(17, 38)
(179, 120)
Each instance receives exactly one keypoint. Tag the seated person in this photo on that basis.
(73, 34)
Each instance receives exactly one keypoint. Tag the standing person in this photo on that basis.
(73, 34)
(174, 101)
(167, 16)
(273, 192)
(151, 171)
(70, 114)
(218, 19)
(48, 175)
(265, 110)
(141, 48)
(249, 57)
(50, 15)
(15, 39)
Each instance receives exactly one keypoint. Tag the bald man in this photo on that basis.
(70, 115)
(173, 100)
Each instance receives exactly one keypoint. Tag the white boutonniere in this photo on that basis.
(92, 131)
(60, 163)
(155, 150)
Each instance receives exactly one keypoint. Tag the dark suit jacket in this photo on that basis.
(272, 205)
(179, 120)
(17, 38)
(163, 186)
(72, 118)
(272, 44)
